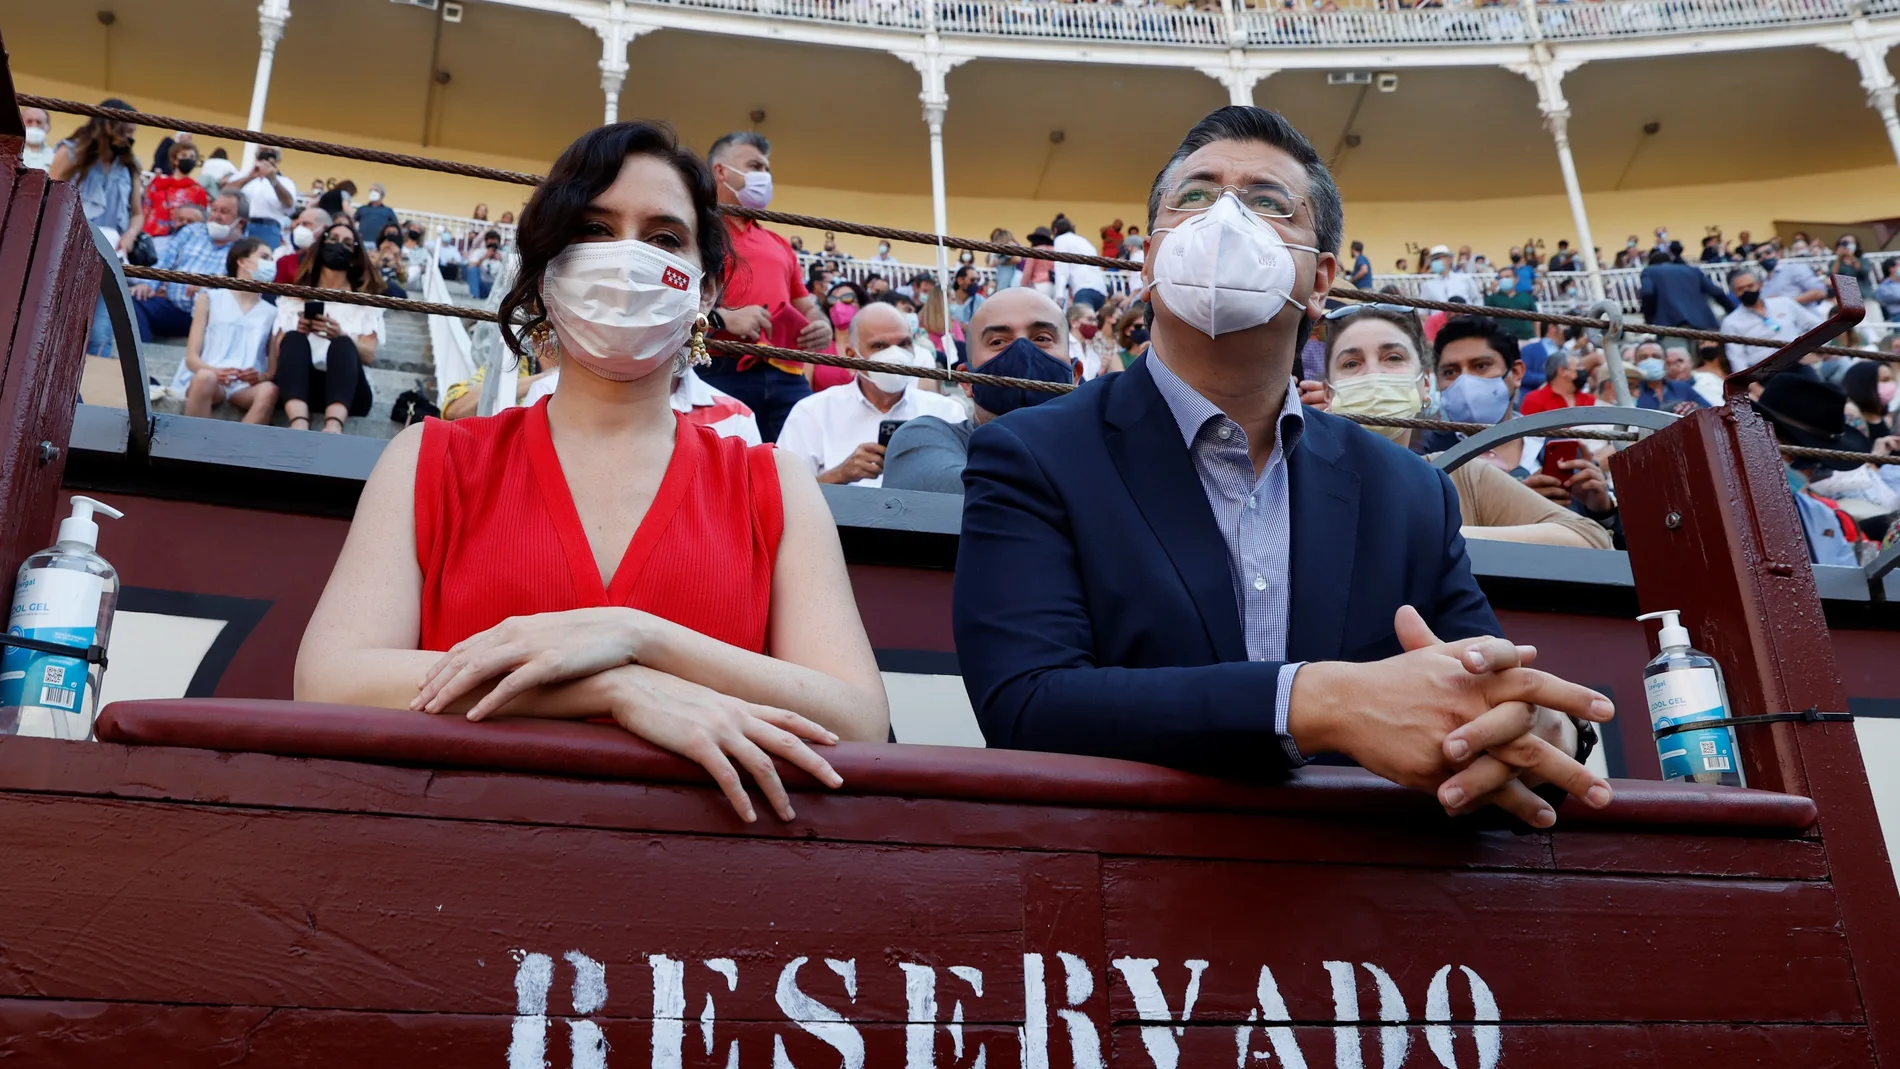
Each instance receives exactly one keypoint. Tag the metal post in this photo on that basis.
(1548, 75)
(271, 16)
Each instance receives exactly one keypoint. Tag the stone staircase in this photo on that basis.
(403, 362)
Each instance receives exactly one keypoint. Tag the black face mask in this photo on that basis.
(415, 235)
(186, 165)
(337, 256)
(1751, 298)
(1022, 360)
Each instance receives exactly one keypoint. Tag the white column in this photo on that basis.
(271, 16)
(616, 33)
(1238, 77)
(935, 68)
(1548, 75)
(1870, 56)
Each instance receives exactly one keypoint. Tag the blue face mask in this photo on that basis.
(1651, 368)
(1471, 399)
(1022, 360)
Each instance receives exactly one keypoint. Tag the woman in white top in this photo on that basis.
(227, 353)
(320, 359)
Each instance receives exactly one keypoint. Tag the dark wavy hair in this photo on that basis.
(364, 278)
(552, 220)
(93, 142)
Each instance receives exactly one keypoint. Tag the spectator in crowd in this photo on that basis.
(507, 219)
(1077, 282)
(968, 296)
(98, 160)
(480, 215)
(836, 431)
(876, 286)
(448, 255)
(484, 261)
(1373, 368)
(1112, 240)
(742, 556)
(1848, 261)
(1675, 294)
(1563, 260)
(840, 305)
(390, 264)
(1134, 246)
(271, 195)
(536, 376)
(1018, 334)
(831, 248)
(762, 292)
(415, 256)
(1711, 372)
(1006, 267)
(1549, 339)
(1524, 270)
(216, 170)
(1227, 599)
(1869, 385)
(1779, 320)
(1480, 376)
(1654, 385)
(1448, 281)
(310, 222)
(883, 253)
(171, 190)
(1361, 277)
(1564, 386)
(319, 359)
(227, 354)
(201, 249)
(1131, 333)
(1509, 294)
(39, 127)
(921, 287)
(162, 161)
(1797, 282)
(1713, 250)
(376, 215)
(1805, 411)
(1093, 353)
(1887, 293)
(338, 201)
(1039, 275)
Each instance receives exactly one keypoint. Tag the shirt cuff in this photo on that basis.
(1282, 703)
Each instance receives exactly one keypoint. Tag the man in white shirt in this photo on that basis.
(836, 430)
(38, 153)
(1780, 320)
(1448, 281)
(270, 194)
(1078, 282)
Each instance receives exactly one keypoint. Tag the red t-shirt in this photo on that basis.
(763, 268)
(1545, 399)
(166, 193)
(288, 266)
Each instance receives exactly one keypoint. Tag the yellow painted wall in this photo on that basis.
(1490, 226)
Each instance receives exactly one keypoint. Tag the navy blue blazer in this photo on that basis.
(1094, 611)
(1678, 295)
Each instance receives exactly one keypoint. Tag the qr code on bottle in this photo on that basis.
(1708, 747)
(55, 675)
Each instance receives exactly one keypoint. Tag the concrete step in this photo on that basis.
(386, 383)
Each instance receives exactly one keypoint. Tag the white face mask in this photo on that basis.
(265, 271)
(621, 309)
(375, 196)
(1379, 395)
(35, 136)
(890, 381)
(756, 192)
(1225, 269)
(303, 237)
(217, 231)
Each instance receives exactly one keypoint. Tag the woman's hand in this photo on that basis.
(531, 651)
(715, 731)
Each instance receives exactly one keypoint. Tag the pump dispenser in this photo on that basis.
(1684, 686)
(66, 595)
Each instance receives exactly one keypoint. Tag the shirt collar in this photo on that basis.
(1192, 411)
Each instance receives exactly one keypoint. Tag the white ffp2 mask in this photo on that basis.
(1225, 269)
(891, 381)
(621, 309)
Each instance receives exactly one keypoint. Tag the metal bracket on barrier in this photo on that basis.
(125, 342)
(1848, 311)
(1612, 341)
(1543, 423)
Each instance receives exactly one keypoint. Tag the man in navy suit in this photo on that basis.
(1180, 565)
(1675, 294)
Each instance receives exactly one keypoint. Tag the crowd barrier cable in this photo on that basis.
(736, 348)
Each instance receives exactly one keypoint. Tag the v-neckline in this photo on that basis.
(551, 480)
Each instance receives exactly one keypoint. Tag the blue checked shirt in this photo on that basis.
(191, 249)
(1254, 520)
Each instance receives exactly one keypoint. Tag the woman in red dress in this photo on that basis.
(594, 555)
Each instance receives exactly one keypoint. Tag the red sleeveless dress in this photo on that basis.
(497, 534)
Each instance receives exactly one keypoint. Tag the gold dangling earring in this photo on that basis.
(700, 357)
(542, 340)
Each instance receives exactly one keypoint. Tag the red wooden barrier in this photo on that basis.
(378, 888)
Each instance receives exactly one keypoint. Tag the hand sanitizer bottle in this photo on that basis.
(65, 595)
(1684, 686)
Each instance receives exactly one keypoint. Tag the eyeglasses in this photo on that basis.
(1354, 309)
(1264, 199)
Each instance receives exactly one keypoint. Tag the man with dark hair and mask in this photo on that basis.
(1019, 334)
(1777, 320)
(1180, 565)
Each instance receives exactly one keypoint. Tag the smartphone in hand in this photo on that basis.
(886, 428)
(1556, 453)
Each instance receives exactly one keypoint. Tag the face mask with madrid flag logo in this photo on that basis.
(621, 309)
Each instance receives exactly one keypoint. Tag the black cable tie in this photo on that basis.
(90, 654)
(1810, 715)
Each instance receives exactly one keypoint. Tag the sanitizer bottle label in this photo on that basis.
(1686, 697)
(52, 605)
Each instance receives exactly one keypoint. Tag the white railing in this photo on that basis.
(1568, 291)
(1276, 27)
(900, 274)
(462, 226)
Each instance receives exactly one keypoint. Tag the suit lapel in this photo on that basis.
(1324, 522)
(1144, 441)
